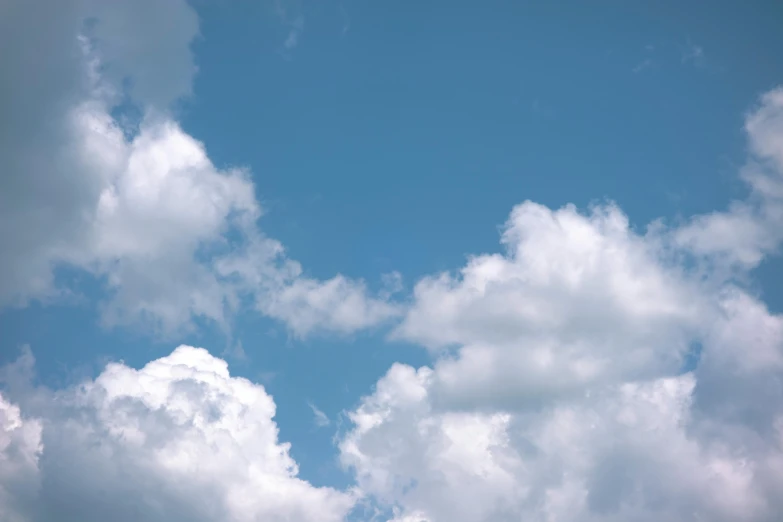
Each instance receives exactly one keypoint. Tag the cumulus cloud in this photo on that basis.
(47, 73)
(179, 439)
(139, 205)
(20, 448)
(338, 304)
(742, 236)
(592, 372)
(162, 207)
(589, 372)
(626, 452)
(575, 300)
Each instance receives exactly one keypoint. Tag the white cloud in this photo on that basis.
(338, 304)
(142, 208)
(751, 229)
(623, 452)
(20, 448)
(582, 299)
(319, 418)
(557, 390)
(179, 439)
(45, 75)
(162, 208)
(576, 300)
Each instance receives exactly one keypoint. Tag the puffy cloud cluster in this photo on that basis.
(179, 439)
(138, 204)
(622, 452)
(577, 299)
(702, 445)
(591, 372)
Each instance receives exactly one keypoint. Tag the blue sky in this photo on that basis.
(329, 195)
(536, 102)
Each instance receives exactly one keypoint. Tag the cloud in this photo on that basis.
(575, 300)
(45, 76)
(644, 64)
(750, 230)
(624, 453)
(294, 33)
(592, 372)
(162, 207)
(647, 62)
(168, 29)
(141, 206)
(589, 372)
(338, 304)
(319, 418)
(179, 439)
(693, 54)
(579, 299)
(20, 449)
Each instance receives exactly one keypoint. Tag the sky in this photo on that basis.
(366, 261)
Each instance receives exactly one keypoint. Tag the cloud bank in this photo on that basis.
(589, 372)
(592, 372)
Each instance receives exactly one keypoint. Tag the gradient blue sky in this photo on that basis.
(384, 137)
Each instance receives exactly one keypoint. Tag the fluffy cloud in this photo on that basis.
(558, 390)
(337, 304)
(750, 229)
(163, 207)
(626, 452)
(20, 447)
(136, 203)
(591, 372)
(179, 439)
(577, 299)
(46, 73)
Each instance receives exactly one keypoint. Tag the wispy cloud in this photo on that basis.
(294, 33)
(320, 418)
(289, 13)
(644, 64)
(647, 62)
(693, 54)
(236, 351)
(346, 19)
